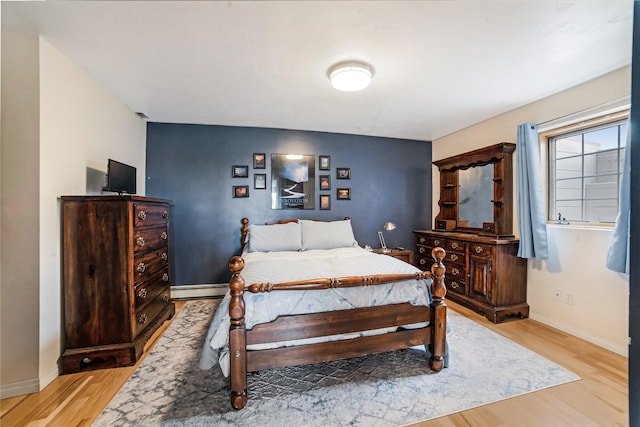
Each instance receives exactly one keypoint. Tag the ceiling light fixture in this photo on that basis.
(350, 76)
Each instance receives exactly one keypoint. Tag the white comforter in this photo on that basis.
(275, 267)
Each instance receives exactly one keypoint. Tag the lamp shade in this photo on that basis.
(350, 76)
(388, 226)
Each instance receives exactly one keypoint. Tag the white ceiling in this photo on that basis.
(439, 66)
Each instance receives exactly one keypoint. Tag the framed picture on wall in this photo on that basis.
(325, 182)
(239, 171)
(325, 202)
(343, 194)
(325, 163)
(293, 181)
(259, 161)
(343, 173)
(260, 181)
(240, 191)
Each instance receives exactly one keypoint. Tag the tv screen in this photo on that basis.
(121, 178)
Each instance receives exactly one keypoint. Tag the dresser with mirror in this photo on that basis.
(475, 227)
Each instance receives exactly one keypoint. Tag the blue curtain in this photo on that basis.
(618, 256)
(530, 195)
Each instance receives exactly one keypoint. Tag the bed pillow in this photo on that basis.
(327, 235)
(275, 237)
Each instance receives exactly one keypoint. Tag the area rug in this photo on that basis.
(389, 389)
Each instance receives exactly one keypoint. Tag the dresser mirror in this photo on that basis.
(476, 191)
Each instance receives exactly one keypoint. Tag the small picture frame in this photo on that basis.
(239, 171)
(260, 181)
(325, 182)
(325, 163)
(343, 194)
(343, 173)
(259, 161)
(325, 202)
(240, 191)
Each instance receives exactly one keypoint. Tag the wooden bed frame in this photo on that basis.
(322, 324)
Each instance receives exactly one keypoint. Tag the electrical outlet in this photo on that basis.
(557, 294)
(568, 298)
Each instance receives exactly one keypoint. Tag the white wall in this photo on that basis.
(80, 125)
(600, 308)
(19, 301)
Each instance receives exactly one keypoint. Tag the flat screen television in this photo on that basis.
(121, 178)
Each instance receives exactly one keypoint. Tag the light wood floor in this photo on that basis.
(599, 399)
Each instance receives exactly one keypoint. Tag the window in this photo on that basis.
(584, 172)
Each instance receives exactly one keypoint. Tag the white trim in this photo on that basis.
(199, 291)
(593, 339)
(46, 380)
(19, 388)
(586, 114)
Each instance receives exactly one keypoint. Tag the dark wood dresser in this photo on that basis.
(116, 278)
(483, 272)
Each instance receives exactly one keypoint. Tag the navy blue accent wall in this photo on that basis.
(191, 165)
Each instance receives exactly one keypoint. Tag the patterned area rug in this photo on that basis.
(389, 389)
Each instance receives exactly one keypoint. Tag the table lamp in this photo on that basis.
(388, 226)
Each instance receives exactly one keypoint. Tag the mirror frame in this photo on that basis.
(500, 155)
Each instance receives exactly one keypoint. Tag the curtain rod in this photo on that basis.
(587, 113)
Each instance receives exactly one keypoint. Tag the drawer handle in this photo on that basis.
(142, 215)
(454, 245)
(422, 240)
(141, 267)
(164, 235)
(421, 250)
(422, 261)
(455, 271)
(455, 285)
(165, 277)
(436, 242)
(165, 214)
(142, 319)
(140, 241)
(164, 256)
(142, 294)
(479, 250)
(454, 257)
(165, 297)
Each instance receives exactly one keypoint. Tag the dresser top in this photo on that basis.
(124, 197)
(469, 237)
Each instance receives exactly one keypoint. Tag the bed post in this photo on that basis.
(243, 233)
(438, 312)
(237, 336)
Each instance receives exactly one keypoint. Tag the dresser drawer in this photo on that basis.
(145, 315)
(147, 290)
(424, 251)
(455, 286)
(424, 263)
(456, 272)
(150, 215)
(150, 239)
(480, 250)
(455, 246)
(147, 264)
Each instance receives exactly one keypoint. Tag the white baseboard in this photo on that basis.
(622, 351)
(199, 291)
(51, 375)
(19, 388)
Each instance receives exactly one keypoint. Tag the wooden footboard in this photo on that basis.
(294, 327)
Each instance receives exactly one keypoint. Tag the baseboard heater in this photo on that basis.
(209, 290)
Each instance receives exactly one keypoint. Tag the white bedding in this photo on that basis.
(276, 267)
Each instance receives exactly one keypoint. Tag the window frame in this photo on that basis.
(579, 127)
